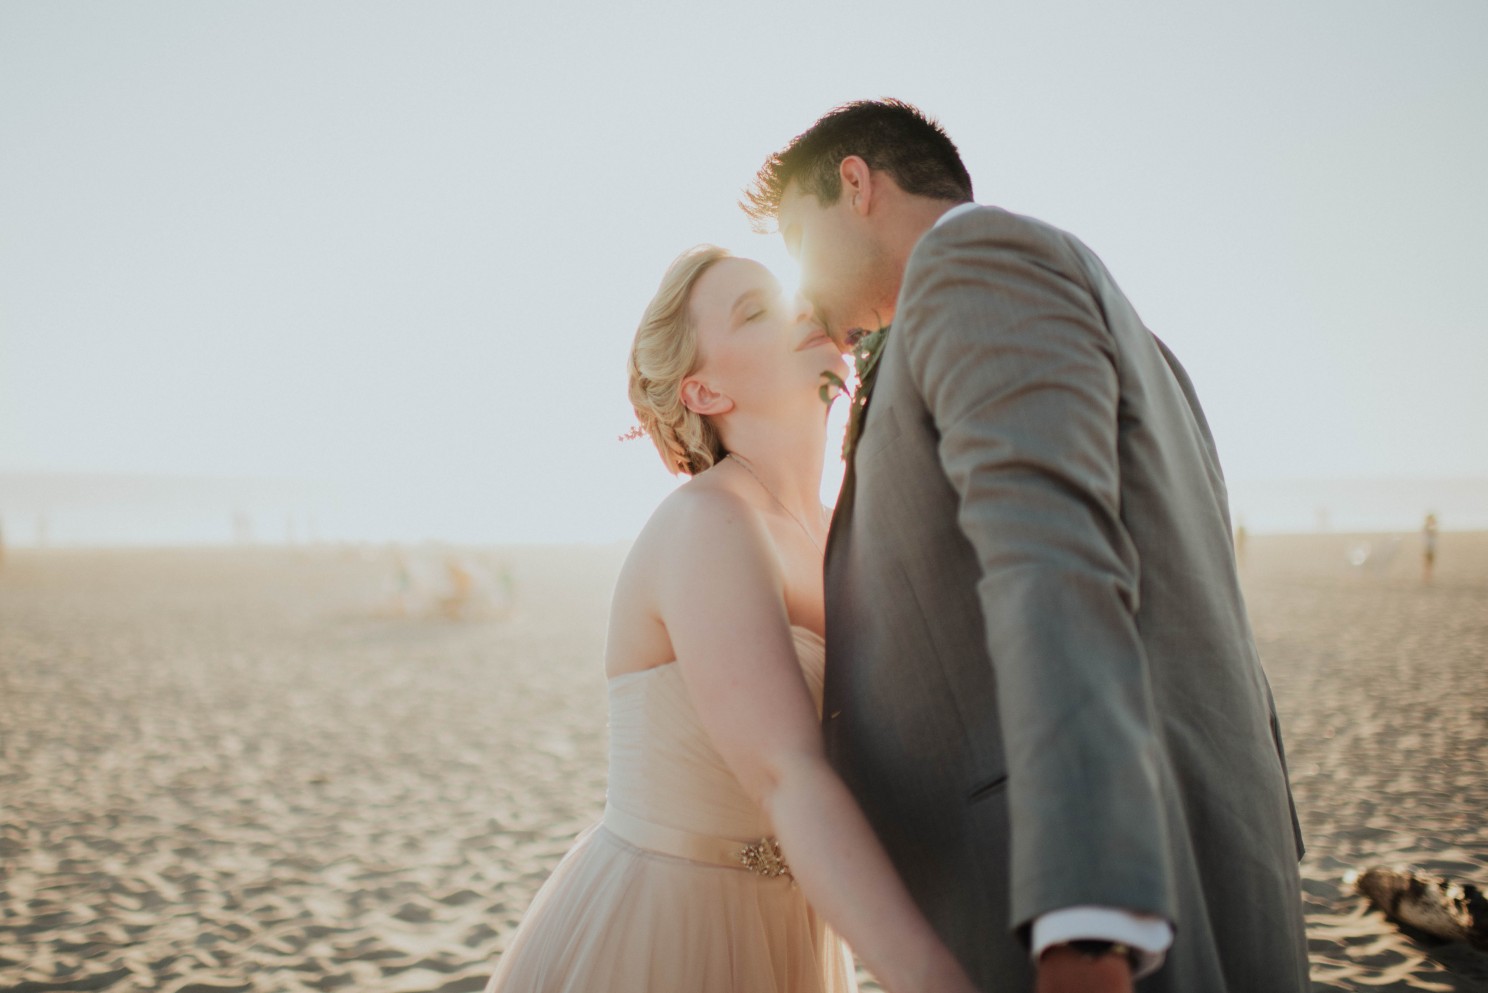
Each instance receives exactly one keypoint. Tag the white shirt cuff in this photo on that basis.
(1148, 935)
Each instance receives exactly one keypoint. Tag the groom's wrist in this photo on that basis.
(1146, 935)
(1098, 948)
(1062, 969)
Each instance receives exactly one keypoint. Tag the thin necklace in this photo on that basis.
(771, 494)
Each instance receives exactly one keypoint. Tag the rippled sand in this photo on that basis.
(231, 770)
(1382, 686)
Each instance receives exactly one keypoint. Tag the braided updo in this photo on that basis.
(665, 353)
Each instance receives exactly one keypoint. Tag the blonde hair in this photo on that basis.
(665, 353)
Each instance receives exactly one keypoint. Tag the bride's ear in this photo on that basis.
(700, 398)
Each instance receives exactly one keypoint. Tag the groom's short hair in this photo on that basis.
(890, 135)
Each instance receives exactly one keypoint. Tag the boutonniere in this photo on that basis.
(866, 347)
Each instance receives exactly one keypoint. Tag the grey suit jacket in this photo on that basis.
(1041, 683)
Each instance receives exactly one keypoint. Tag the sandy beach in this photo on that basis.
(232, 770)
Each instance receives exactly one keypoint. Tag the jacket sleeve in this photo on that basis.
(1009, 350)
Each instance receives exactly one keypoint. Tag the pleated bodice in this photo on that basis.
(663, 766)
(678, 889)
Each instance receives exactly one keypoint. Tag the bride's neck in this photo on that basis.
(787, 458)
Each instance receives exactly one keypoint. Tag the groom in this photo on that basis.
(1041, 683)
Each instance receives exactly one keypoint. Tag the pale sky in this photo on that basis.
(400, 249)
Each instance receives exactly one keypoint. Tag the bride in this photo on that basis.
(727, 843)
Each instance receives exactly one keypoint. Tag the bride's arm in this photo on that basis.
(721, 597)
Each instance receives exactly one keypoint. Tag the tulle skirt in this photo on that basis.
(614, 917)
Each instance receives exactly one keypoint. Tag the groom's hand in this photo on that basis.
(1062, 969)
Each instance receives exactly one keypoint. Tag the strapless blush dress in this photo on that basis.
(678, 889)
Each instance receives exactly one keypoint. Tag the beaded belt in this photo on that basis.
(763, 857)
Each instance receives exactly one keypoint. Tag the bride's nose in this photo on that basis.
(802, 311)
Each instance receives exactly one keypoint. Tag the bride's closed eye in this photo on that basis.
(763, 307)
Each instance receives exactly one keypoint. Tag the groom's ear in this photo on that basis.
(700, 398)
(857, 183)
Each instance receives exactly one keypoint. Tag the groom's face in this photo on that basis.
(837, 254)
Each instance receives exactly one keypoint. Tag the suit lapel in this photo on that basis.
(841, 511)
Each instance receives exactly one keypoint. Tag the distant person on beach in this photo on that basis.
(1428, 551)
(456, 600)
(727, 843)
(1041, 684)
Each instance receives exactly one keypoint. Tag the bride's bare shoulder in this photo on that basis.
(700, 514)
(702, 536)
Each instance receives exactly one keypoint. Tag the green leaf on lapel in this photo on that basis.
(867, 349)
(831, 381)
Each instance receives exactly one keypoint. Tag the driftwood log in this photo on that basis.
(1438, 906)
